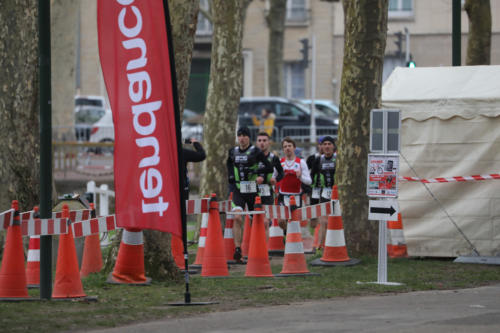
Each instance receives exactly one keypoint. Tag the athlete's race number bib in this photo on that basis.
(264, 190)
(326, 193)
(316, 193)
(248, 187)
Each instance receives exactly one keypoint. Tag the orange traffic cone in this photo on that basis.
(276, 239)
(396, 244)
(201, 241)
(12, 274)
(33, 263)
(335, 252)
(214, 258)
(67, 281)
(258, 258)
(92, 255)
(229, 239)
(294, 262)
(247, 234)
(129, 266)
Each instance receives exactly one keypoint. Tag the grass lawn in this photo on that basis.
(120, 305)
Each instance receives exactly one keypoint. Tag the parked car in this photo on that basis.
(325, 107)
(292, 118)
(103, 130)
(192, 125)
(88, 110)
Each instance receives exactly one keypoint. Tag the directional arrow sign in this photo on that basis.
(380, 210)
(385, 210)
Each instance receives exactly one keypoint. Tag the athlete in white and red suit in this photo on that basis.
(296, 172)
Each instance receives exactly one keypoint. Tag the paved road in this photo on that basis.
(467, 310)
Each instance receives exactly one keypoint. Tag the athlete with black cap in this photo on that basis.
(323, 175)
(246, 167)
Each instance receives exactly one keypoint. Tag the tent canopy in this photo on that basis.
(450, 127)
(444, 92)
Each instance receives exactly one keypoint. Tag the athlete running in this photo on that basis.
(323, 174)
(296, 173)
(266, 192)
(247, 166)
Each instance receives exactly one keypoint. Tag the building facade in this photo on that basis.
(417, 29)
(426, 23)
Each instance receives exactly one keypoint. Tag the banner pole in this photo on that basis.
(181, 166)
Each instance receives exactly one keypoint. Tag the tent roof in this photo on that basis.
(443, 92)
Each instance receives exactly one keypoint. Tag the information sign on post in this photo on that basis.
(382, 178)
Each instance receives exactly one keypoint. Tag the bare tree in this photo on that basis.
(276, 23)
(479, 41)
(364, 47)
(224, 91)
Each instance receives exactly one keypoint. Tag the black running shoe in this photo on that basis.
(237, 254)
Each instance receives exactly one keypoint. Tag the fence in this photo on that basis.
(297, 133)
(74, 153)
(103, 204)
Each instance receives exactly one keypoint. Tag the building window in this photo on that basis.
(294, 80)
(400, 9)
(296, 11)
(204, 26)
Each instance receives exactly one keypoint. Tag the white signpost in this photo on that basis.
(383, 210)
(382, 179)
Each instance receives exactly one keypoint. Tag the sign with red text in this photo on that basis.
(382, 179)
(134, 53)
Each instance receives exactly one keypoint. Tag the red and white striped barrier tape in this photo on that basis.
(452, 179)
(6, 219)
(74, 215)
(314, 211)
(43, 227)
(94, 226)
(225, 206)
(198, 206)
(284, 212)
(277, 212)
(27, 215)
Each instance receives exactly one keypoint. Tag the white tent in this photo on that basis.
(450, 127)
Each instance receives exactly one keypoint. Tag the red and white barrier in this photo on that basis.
(277, 212)
(43, 227)
(27, 215)
(197, 206)
(59, 226)
(94, 226)
(225, 206)
(312, 212)
(452, 179)
(74, 215)
(6, 219)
